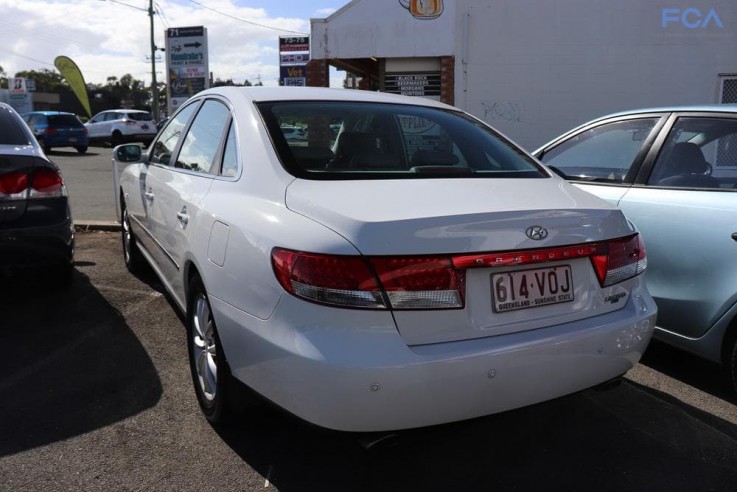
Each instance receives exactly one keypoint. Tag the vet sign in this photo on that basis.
(690, 18)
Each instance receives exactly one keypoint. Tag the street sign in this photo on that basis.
(187, 64)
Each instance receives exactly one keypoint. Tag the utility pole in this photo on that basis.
(154, 85)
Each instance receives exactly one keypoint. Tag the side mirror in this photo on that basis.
(128, 153)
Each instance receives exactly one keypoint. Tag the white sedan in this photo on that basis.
(412, 268)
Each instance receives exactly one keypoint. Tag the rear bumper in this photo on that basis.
(356, 374)
(31, 247)
(67, 141)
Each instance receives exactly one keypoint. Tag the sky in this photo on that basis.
(112, 37)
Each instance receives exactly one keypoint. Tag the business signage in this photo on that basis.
(292, 43)
(294, 59)
(294, 53)
(425, 84)
(18, 86)
(187, 64)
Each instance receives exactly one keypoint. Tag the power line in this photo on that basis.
(248, 21)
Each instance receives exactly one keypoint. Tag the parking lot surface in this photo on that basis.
(96, 395)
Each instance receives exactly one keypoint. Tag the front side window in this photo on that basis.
(698, 153)
(163, 147)
(360, 140)
(603, 153)
(204, 138)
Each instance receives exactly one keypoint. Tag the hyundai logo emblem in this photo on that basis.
(536, 233)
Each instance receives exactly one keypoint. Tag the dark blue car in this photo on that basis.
(57, 129)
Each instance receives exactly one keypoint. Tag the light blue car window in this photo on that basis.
(603, 153)
(698, 153)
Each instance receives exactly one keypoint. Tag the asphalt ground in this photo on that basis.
(96, 394)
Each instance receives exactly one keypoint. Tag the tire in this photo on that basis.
(81, 149)
(210, 373)
(44, 145)
(117, 139)
(131, 254)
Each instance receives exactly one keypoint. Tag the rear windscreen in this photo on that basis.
(64, 120)
(11, 131)
(362, 140)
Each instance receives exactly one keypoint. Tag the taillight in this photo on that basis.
(129, 122)
(42, 183)
(420, 282)
(50, 130)
(13, 185)
(47, 183)
(619, 260)
(370, 282)
(613, 261)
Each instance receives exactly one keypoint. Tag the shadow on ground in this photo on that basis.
(619, 439)
(71, 364)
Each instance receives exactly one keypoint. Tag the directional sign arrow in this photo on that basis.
(192, 45)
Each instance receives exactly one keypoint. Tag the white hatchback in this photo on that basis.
(412, 268)
(117, 126)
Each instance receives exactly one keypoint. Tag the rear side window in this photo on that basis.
(357, 140)
(11, 131)
(139, 116)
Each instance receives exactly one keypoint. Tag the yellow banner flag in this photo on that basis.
(70, 71)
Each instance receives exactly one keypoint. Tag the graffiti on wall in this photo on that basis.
(508, 111)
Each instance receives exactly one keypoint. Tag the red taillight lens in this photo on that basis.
(420, 282)
(50, 130)
(47, 183)
(129, 122)
(620, 259)
(341, 280)
(373, 282)
(13, 185)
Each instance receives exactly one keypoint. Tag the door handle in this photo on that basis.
(183, 217)
(149, 195)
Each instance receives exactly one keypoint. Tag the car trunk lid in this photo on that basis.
(466, 217)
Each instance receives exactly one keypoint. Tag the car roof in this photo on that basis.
(123, 110)
(701, 108)
(275, 94)
(49, 113)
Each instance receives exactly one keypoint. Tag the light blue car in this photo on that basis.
(673, 171)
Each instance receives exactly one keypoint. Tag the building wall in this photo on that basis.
(535, 68)
(383, 29)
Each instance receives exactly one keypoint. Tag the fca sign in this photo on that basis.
(690, 18)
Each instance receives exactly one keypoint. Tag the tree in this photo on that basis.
(46, 80)
(3, 79)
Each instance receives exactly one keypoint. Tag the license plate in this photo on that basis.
(72, 139)
(525, 289)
